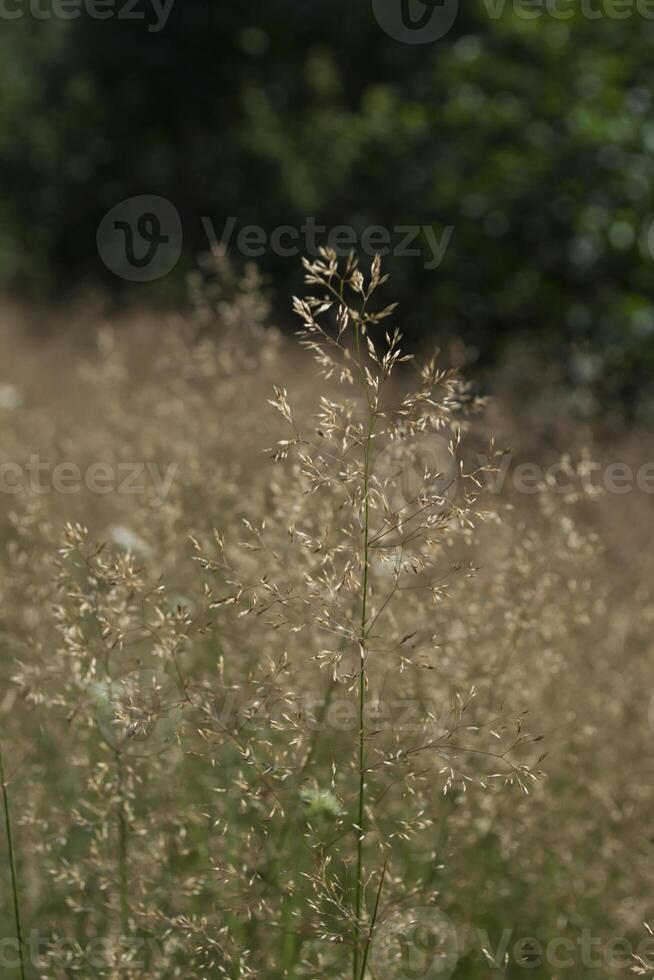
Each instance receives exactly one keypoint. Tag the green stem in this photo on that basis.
(123, 852)
(362, 685)
(373, 921)
(12, 865)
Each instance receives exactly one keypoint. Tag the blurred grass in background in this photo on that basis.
(557, 622)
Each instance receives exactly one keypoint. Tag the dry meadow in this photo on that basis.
(302, 676)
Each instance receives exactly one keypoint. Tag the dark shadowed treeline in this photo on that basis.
(530, 137)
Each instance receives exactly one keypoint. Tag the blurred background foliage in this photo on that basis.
(533, 138)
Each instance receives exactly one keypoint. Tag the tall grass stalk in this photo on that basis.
(12, 866)
(123, 851)
(373, 921)
(360, 830)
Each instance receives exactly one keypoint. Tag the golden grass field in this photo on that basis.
(345, 712)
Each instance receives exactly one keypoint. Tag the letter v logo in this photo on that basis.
(415, 21)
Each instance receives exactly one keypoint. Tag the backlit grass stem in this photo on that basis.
(12, 866)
